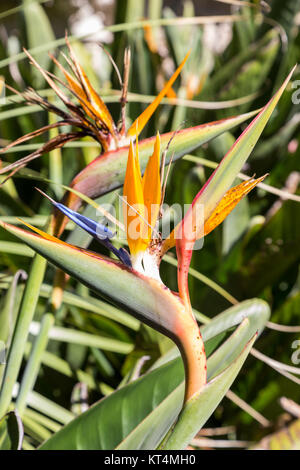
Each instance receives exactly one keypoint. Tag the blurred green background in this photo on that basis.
(235, 66)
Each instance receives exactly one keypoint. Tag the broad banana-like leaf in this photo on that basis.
(150, 405)
(107, 172)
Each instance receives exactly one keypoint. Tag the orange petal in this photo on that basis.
(77, 88)
(98, 105)
(228, 203)
(146, 115)
(133, 192)
(231, 198)
(152, 186)
(95, 102)
(171, 93)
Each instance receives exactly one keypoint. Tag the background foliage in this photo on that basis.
(235, 66)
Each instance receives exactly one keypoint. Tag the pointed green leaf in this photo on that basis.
(252, 314)
(107, 422)
(224, 175)
(200, 407)
(18, 342)
(188, 231)
(138, 415)
(164, 415)
(34, 362)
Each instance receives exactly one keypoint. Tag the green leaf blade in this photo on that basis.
(144, 410)
(200, 407)
(231, 164)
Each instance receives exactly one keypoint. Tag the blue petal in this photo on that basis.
(97, 230)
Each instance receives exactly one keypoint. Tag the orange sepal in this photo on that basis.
(133, 192)
(184, 247)
(145, 116)
(77, 89)
(231, 198)
(98, 105)
(228, 203)
(152, 186)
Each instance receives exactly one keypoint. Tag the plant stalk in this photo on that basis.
(191, 346)
(27, 310)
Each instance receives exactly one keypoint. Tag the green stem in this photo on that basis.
(33, 364)
(55, 162)
(27, 309)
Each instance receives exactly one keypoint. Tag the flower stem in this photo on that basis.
(190, 343)
(191, 346)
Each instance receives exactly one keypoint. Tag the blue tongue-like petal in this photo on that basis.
(97, 230)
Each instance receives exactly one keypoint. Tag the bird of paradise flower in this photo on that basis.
(133, 281)
(89, 116)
